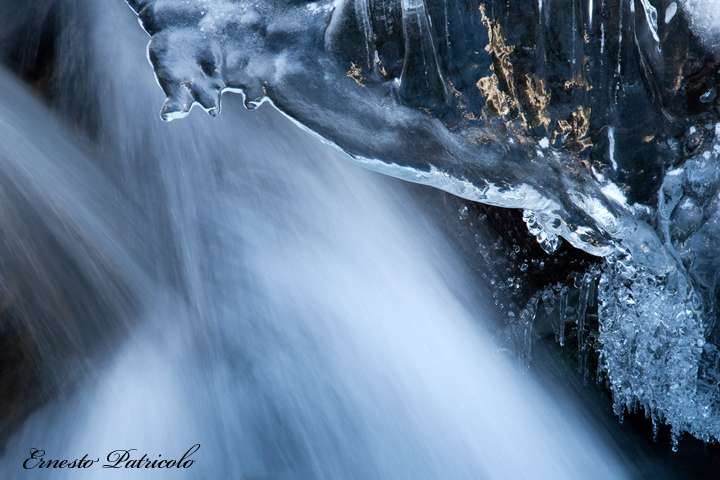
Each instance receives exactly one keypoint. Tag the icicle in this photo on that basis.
(519, 332)
(655, 426)
(526, 319)
(351, 20)
(560, 335)
(548, 300)
(581, 312)
(421, 80)
(651, 16)
(592, 287)
(675, 439)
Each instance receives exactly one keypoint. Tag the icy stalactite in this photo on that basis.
(562, 315)
(519, 332)
(584, 284)
(652, 339)
(651, 16)
(570, 306)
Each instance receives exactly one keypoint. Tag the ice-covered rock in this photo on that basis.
(522, 105)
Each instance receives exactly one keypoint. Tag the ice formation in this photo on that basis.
(600, 121)
(704, 18)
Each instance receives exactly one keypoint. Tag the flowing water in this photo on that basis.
(237, 284)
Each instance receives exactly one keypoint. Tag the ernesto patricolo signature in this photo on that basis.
(115, 459)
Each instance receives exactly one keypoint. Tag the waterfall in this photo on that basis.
(291, 313)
